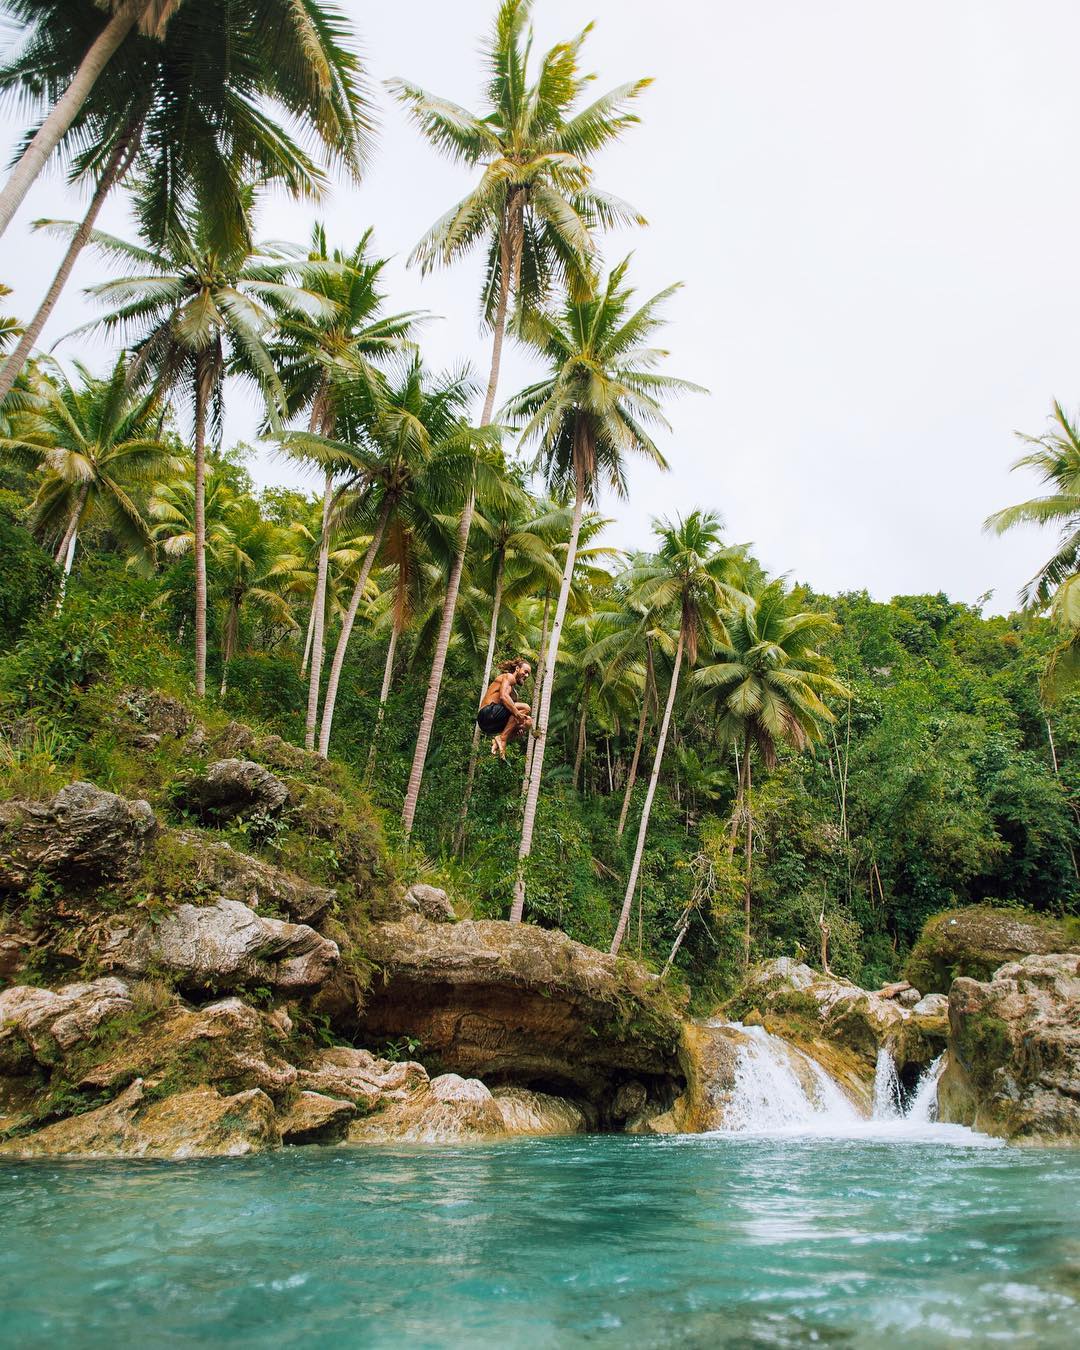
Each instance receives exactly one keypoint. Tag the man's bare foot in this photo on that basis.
(494, 745)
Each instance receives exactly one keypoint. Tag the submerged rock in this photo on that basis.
(83, 837)
(224, 945)
(197, 1124)
(1014, 1052)
(540, 1113)
(231, 788)
(976, 940)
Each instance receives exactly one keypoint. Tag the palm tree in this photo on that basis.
(293, 53)
(316, 357)
(98, 443)
(766, 685)
(195, 312)
(193, 109)
(594, 406)
(692, 579)
(1056, 459)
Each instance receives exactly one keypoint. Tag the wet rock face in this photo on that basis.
(509, 1003)
(447, 1109)
(976, 940)
(231, 789)
(1014, 1052)
(222, 946)
(83, 837)
(197, 1124)
(540, 1113)
(315, 1119)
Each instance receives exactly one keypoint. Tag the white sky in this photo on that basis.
(874, 210)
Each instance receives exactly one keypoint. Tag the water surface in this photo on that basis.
(926, 1240)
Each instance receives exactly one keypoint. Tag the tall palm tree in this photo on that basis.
(98, 443)
(317, 356)
(195, 110)
(292, 52)
(1056, 459)
(594, 406)
(195, 311)
(766, 685)
(692, 578)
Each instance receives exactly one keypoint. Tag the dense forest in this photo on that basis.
(724, 764)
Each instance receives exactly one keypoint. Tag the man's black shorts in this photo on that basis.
(492, 718)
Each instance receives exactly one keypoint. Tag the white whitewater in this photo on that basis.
(781, 1092)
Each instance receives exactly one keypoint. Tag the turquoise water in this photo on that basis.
(700, 1241)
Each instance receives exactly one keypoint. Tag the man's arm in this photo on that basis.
(505, 697)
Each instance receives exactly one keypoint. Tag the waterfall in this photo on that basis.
(888, 1099)
(923, 1107)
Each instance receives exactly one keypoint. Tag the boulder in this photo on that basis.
(360, 1077)
(82, 838)
(197, 1124)
(430, 902)
(157, 713)
(976, 940)
(710, 1055)
(50, 1022)
(932, 1005)
(16, 948)
(315, 1119)
(526, 1112)
(227, 1043)
(223, 870)
(232, 788)
(510, 1003)
(221, 946)
(1013, 1068)
(446, 1110)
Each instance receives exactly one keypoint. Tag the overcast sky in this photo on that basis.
(874, 211)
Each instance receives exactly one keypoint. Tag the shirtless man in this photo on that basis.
(501, 717)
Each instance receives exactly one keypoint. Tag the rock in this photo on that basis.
(315, 1119)
(710, 1057)
(976, 940)
(907, 998)
(15, 951)
(197, 1124)
(629, 1102)
(220, 868)
(48, 1020)
(894, 990)
(526, 1112)
(448, 1109)
(227, 1043)
(233, 788)
(221, 946)
(429, 901)
(1014, 1052)
(83, 837)
(160, 714)
(513, 1003)
(932, 1005)
(451, 1087)
(235, 739)
(362, 1078)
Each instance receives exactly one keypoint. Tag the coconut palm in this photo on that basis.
(766, 685)
(194, 312)
(316, 357)
(595, 405)
(694, 580)
(195, 110)
(99, 444)
(1056, 459)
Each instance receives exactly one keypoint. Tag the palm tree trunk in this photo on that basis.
(643, 828)
(528, 822)
(438, 664)
(66, 551)
(632, 777)
(510, 242)
(749, 851)
(384, 694)
(538, 688)
(496, 606)
(580, 754)
(318, 606)
(201, 399)
(228, 646)
(66, 108)
(118, 164)
(307, 641)
(346, 631)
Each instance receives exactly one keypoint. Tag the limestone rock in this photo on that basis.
(710, 1056)
(514, 1003)
(83, 837)
(908, 998)
(222, 946)
(315, 1119)
(15, 949)
(160, 714)
(448, 1109)
(46, 1019)
(1014, 1052)
(526, 1112)
(360, 1077)
(232, 788)
(429, 901)
(976, 940)
(237, 876)
(197, 1124)
(932, 1005)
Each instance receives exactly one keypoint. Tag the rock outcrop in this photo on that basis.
(446, 1110)
(1014, 1052)
(430, 902)
(315, 1119)
(361, 1078)
(540, 1113)
(82, 838)
(49, 1022)
(976, 940)
(509, 1003)
(222, 870)
(221, 946)
(232, 788)
(197, 1124)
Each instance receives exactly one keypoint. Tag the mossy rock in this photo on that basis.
(976, 940)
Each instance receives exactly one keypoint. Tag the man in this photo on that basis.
(501, 717)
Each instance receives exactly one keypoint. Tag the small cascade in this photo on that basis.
(888, 1098)
(777, 1087)
(922, 1109)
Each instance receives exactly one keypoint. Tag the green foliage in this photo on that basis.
(27, 577)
